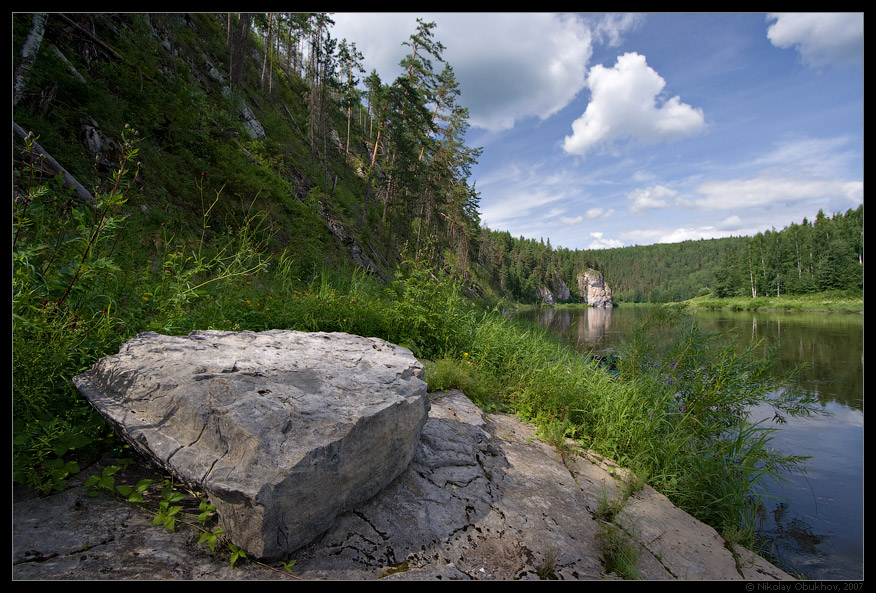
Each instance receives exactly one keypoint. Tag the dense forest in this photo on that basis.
(270, 111)
(825, 254)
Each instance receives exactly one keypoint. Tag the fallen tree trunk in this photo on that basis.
(79, 191)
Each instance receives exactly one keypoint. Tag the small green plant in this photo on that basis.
(620, 553)
(211, 538)
(236, 553)
(547, 569)
(607, 509)
(167, 511)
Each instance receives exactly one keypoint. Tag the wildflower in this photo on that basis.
(651, 414)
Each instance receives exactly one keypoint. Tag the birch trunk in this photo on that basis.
(28, 55)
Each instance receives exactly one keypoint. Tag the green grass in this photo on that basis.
(835, 301)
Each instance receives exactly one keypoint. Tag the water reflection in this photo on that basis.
(590, 324)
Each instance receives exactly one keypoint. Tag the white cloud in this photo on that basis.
(624, 105)
(644, 199)
(821, 157)
(516, 65)
(677, 235)
(821, 38)
(515, 206)
(612, 26)
(571, 221)
(599, 213)
(509, 66)
(766, 191)
(600, 242)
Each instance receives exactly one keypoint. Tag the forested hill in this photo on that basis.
(234, 114)
(260, 113)
(811, 256)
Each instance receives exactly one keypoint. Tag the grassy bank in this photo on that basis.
(834, 301)
(672, 409)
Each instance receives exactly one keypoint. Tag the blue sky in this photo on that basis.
(607, 130)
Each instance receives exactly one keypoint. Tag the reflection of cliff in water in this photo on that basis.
(593, 324)
(590, 324)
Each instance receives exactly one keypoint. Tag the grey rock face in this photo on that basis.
(282, 430)
(592, 286)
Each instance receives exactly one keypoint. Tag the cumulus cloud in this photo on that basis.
(766, 191)
(513, 66)
(625, 105)
(600, 242)
(650, 198)
(509, 65)
(821, 38)
(571, 221)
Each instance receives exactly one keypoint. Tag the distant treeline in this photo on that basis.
(825, 254)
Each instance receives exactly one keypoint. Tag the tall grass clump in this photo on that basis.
(682, 417)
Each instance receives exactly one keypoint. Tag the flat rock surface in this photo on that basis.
(482, 499)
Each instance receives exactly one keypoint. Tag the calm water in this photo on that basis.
(817, 519)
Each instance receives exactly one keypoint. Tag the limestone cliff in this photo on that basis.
(594, 290)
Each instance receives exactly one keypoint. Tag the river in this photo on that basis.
(815, 520)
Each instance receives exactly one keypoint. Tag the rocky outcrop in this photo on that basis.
(282, 430)
(594, 290)
(555, 292)
(481, 499)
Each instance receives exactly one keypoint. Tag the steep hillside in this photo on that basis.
(247, 140)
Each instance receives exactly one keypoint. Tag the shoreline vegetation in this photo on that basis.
(830, 301)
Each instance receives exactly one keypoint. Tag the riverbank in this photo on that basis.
(834, 301)
(483, 499)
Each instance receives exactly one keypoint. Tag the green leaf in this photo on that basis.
(135, 497)
(170, 524)
(124, 490)
(110, 470)
(143, 485)
(176, 497)
(210, 538)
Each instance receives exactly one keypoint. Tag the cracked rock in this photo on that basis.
(282, 430)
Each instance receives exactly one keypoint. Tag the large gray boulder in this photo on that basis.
(282, 430)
